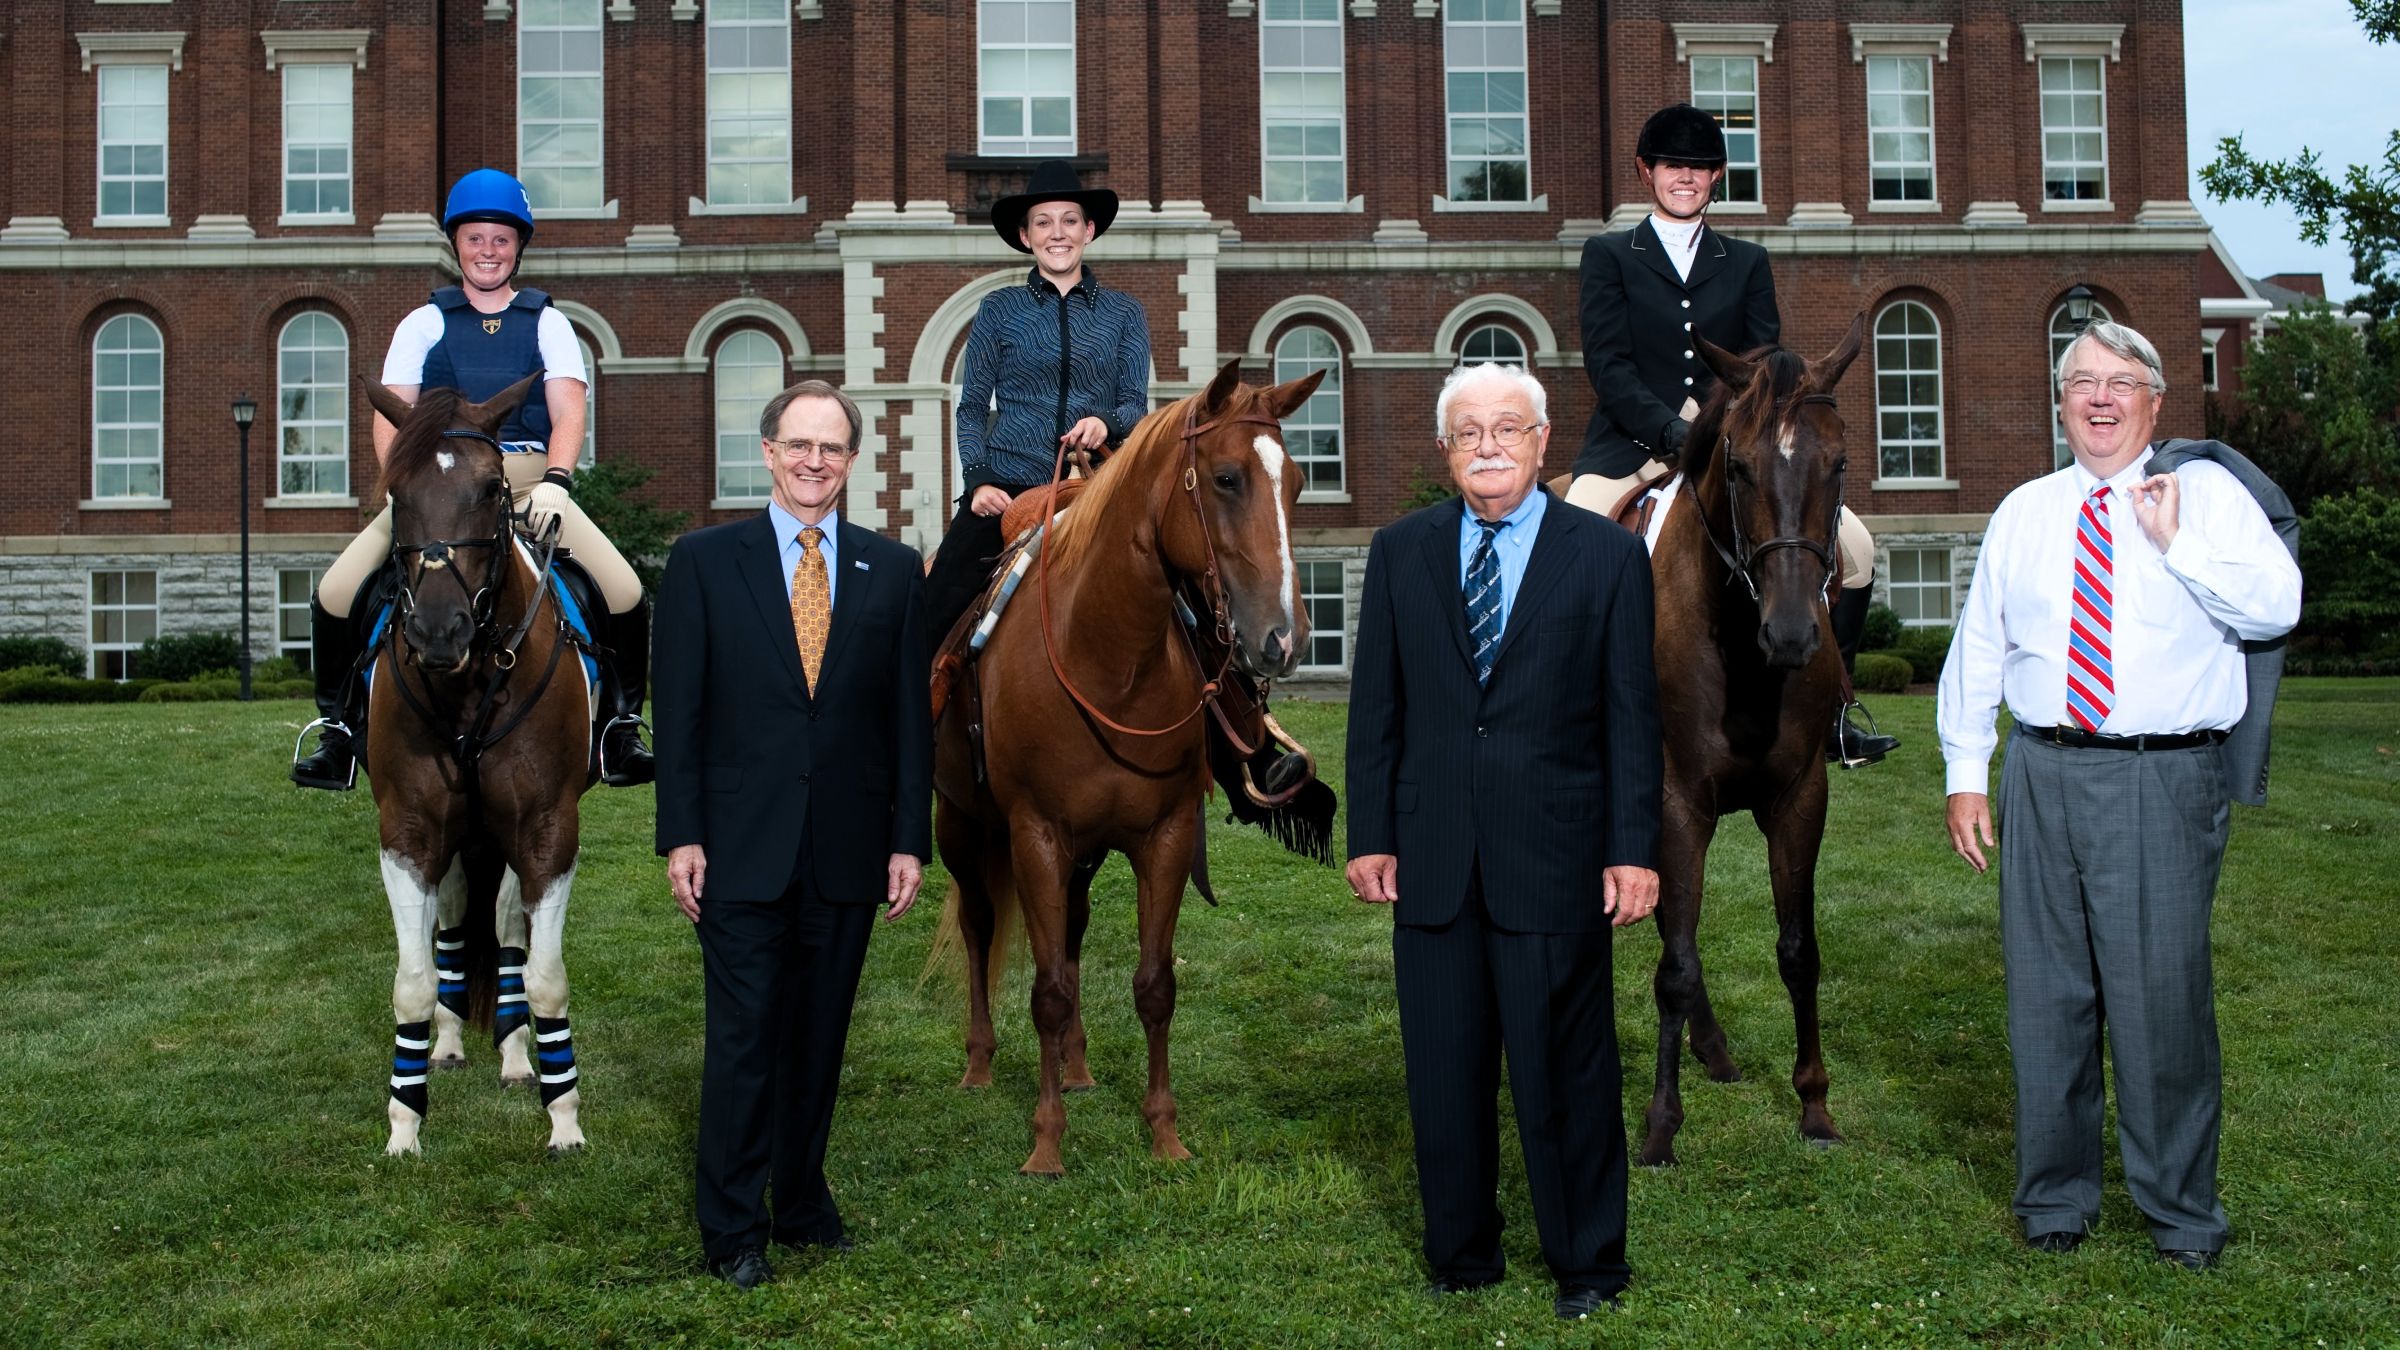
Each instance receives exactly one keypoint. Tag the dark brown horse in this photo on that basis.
(1749, 681)
(479, 744)
(1089, 697)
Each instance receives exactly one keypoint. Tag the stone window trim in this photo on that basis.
(1899, 39)
(131, 49)
(291, 46)
(1292, 361)
(2074, 39)
(1725, 39)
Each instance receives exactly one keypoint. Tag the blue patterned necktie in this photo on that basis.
(1483, 601)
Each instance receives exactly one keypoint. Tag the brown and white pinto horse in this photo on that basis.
(1749, 681)
(479, 744)
(1089, 700)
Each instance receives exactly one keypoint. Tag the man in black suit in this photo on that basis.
(1646, 292)
(1504, 760)
(791, 647)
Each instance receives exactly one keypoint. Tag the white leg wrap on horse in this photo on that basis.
(450, 971)
(412, 903)
(411, 1044)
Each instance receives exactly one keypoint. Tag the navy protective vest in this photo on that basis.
(481, 354)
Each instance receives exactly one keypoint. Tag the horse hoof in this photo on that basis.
(974, 1079)
(1659, 1157)
(508, 1082)
(1834, 1142)
(1171, 1151)
(562, 1150)
(1044, 1163)
(1724, 1073)
(411, 1149)
(1083, 1084)
(446, 1065)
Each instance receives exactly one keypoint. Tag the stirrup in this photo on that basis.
(639, 726)
(1841, 728)
(349, 737)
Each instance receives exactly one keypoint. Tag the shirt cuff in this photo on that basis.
(1968, 773)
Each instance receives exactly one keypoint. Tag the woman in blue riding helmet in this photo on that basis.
(479, 337)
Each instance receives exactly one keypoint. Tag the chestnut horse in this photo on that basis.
(1090, 708)
(479, 744)
(1749, 681)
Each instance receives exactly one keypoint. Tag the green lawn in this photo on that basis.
(194, 1029)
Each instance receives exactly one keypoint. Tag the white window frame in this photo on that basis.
(532, 34)
(127, 611)
(1292, 364)
(305, 72)
(336, 393)
(742, 477)
(1456, 33)
(1910, 445)
(988, 45)
(122, 75)
(2210, 338)
(1286, 32)
(779, 25)
(1313, 593)
(1880, 66)
(155, 430)
(2063, 333)
(291, 616)
(590, 453)
(1720, 100)
(1498, 330)
(1918, 589)
(2099, 67)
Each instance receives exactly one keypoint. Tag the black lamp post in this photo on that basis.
(2079, 306)
(245, 411)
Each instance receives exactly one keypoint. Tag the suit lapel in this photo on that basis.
(1543, 567)
(1440, 551)
(1708, 260)
(762, 574)
(849, 597)
(1653, 253)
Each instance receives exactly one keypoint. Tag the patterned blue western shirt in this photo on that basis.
(1013, 354)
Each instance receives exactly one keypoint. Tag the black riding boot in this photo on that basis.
(333, 652)
(624, 760)
(1851, 744)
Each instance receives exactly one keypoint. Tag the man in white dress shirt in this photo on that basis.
(2108, 610)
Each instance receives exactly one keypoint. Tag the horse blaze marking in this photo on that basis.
(447, 460)
(1785, 443)
(1270, 454)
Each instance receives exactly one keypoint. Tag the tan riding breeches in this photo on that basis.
(1594, 493)
(619, 587)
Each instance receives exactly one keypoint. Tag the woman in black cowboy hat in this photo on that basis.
(1059, 360)
(1646, 293)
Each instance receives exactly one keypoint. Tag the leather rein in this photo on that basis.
(441, 555)
(1742, 559)
(1212, 587)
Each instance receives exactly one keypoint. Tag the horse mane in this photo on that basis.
(1116, 477)
(415, 440)
(1781, 372)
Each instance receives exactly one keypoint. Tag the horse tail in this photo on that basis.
(482, 952)
(948, 954)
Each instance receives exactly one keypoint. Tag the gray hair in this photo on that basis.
(2123, 341)
(1481, 372)
(771, 419)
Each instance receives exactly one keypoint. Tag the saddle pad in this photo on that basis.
(1661, 499)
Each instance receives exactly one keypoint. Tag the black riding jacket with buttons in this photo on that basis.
(1638, 317)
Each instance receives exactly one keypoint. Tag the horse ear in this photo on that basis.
(1825, 374)
(487, 416)
(1220, 389)
(1283, 398)
(394, 408)
(1732, 371)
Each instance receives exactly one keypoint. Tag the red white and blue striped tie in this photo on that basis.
(2091, 667)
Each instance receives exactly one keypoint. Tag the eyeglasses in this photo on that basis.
(803, 451)
(1505, 436)
(2122, 386)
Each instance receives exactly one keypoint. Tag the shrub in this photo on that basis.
(187, 656)
(193, 691)
(276, 670)
(2350, 557)
(1924, 649)
(1883, 630)
(53, 688)
(1881, 673)
(302, 687)
(19, 653)
(612, 493)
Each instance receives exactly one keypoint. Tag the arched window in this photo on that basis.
(1313, 433)
(591, 404)
(749, 372)
(2063, 333)
(1908, 393)
(128, 401)
(1492, 342)
(312, 407)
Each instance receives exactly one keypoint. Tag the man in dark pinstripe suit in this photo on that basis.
(1504, 756)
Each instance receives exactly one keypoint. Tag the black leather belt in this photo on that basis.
(2080, 739)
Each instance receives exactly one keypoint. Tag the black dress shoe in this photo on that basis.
(2189, 1260)
(838, 1245)
(1455, 1284)
(1581, 1300)
(2058, 1243)
(745, 1270)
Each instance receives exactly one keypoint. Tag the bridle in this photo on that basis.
(1211, 586)
(441, 555)
(1742, 559)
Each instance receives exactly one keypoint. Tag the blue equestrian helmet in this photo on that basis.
(489, 194)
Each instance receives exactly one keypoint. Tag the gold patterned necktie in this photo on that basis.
(812, 603)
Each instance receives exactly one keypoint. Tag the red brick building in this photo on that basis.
(207, 197)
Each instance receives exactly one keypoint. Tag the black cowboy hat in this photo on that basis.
(1053, 180)
(1683, 133)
